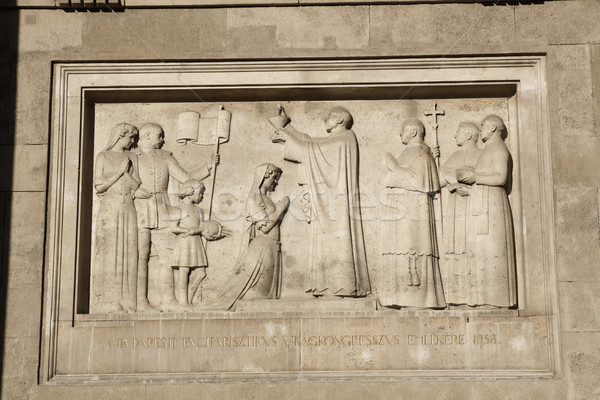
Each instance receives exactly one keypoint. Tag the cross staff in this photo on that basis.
(435, 112)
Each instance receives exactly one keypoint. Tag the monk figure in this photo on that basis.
(456, 273)
(411, 273)
(490, 245)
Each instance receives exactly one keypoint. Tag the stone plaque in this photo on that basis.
(278, 220)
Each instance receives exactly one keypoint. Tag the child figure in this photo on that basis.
(189, 253)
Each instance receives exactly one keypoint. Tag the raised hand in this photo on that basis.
(124, 166)
(390, 161)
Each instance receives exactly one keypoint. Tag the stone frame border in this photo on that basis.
(74, 82)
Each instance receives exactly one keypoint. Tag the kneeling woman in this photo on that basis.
(257, 273)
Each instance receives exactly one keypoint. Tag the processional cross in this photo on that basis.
(435, 112)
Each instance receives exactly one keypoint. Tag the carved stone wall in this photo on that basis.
(370, 59)
(120, 328)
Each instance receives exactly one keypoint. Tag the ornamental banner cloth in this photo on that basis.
(191, 127)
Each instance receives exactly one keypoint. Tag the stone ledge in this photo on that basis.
(288, 308)
(64, 4)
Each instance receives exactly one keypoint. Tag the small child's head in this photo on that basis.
(193, 189)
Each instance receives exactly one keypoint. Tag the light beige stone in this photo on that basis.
(577, 233)
(112, 391)
(571, 157)
(299, 28)
(22, 316)
(21, 387)
(31, 101)
(472, 24)
(292, 339)
(20, 354)
(393, 30)
(596, 82)
(150, 35)
(48, 30)
(25, 215)
(578, 302)
(28, 164)
(191, 3)
(573, 90)
(582, 359)
(561, 22)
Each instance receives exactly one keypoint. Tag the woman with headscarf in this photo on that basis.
(257, 273)
(114, 275)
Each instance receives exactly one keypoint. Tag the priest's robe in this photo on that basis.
(337, 257)
(411, 273)
(491, 247)
(454, 266)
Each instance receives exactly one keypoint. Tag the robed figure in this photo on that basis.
(116, 178)
(491, 244)
(460, 286)
(258, 270)
(337, 258)
(411, 273)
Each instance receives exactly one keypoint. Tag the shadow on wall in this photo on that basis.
(9, 22)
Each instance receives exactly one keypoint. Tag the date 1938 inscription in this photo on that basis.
(250, 341)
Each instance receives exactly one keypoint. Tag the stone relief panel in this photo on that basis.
(423, 237)
(299, 224)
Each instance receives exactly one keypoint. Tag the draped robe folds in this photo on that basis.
(454, 267)
(491, 247)
(411, 274)
(257, 272)
(337, 254)
(114, 275)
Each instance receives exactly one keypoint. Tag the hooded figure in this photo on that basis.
(257, 273)
(114, 272)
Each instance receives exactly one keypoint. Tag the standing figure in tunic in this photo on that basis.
(189, 253)
(411, 273)
(490, 243)
(337, 257)
(154, 212)
(257, 273)
(456, 273)
(114, 276)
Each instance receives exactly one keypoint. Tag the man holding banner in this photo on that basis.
(154, 212)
